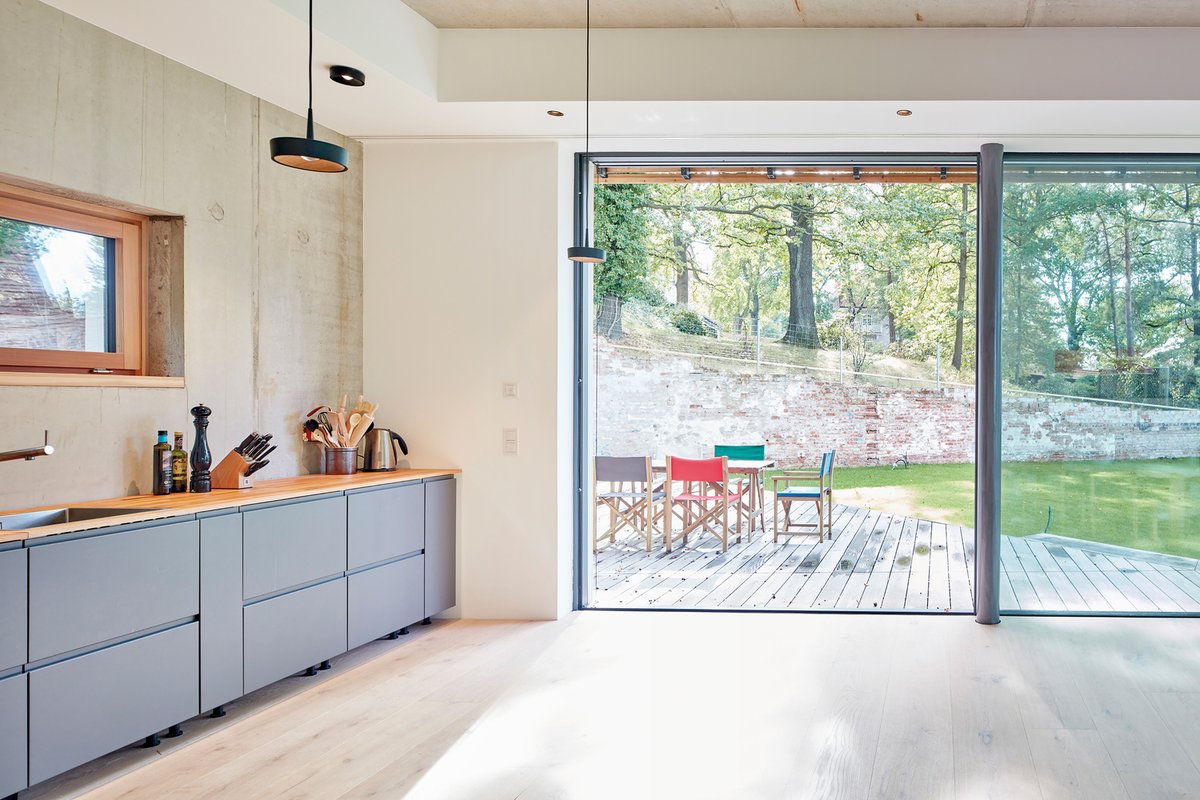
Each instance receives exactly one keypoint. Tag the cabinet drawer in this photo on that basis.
(13, 720)
(87, 591)
(385, 523)
(384, 599)
(441, 499)
(91, 705)
(14, 592)
(288, 633)
(293, 544)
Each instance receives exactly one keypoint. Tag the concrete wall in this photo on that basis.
(466, 289)
(272, 266)
(668, 404)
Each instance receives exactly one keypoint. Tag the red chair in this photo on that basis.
(705, 500)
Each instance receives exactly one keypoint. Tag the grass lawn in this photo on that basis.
(1150, 505)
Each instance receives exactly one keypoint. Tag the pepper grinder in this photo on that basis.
(201, 455)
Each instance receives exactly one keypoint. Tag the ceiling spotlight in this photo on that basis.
(554, 113)
(903, 112)
(349, 76)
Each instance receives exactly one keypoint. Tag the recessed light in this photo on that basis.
(904, 112)
(554, 113)
(348, 76)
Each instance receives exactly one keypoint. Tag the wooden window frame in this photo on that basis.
(130, 233)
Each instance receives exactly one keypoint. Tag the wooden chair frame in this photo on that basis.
(823, 498)
(702, 504)
(633, 503)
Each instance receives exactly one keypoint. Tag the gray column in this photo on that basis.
(987, 387)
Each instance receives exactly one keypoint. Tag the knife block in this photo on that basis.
(231, 473)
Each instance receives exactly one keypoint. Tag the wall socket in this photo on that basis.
(510, 442)
(510, 389)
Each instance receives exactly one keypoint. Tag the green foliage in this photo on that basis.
(622, 229)
(687, 321)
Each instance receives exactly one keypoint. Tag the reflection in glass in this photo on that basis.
(54, 288)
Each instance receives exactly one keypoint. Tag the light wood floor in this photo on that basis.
(876, 560)
(635, 705)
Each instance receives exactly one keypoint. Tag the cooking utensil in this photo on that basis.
(256, 466)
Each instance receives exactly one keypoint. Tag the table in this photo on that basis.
(752, 502)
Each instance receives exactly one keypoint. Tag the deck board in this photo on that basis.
(882, 561)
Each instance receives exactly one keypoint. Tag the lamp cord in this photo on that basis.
(587, 79)
(310, 53)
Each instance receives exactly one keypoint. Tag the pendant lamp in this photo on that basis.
(587, 254)
(308, 153)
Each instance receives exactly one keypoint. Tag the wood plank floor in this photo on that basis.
(762, 706)
(881, 561)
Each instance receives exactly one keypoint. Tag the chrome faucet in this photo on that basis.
(29, 453)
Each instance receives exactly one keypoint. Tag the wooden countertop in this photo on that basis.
(155, 506)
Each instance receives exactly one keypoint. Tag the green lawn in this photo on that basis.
(1150, 505)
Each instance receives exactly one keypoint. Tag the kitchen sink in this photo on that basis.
(59, 516)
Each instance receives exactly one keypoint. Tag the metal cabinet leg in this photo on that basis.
(311, 671)
(427, 621)
(175, 731)
(151, 741)
(217, 712)
(325, 665)
(404, 631)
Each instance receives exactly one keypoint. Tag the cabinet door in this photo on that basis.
(440, 504)
(292, 544)
(385, 524)
(220, 609)
(13, 733)
(294, 631)
(86, 591)
(384, 599)
(90, 705)
(14, 595)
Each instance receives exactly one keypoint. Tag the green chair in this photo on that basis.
(747, 452)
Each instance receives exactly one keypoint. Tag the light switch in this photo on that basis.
(510, 441)
(510, 389)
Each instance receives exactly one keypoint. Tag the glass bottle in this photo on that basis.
(179, 465)
(162, 465)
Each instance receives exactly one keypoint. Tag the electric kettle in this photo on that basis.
(379, 454)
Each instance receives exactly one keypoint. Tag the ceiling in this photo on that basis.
(809, 13)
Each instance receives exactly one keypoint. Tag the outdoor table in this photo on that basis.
(751, 502)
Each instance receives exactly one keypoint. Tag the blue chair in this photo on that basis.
(816, 486)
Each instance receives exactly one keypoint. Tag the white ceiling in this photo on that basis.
(808, 13)
(258, 46)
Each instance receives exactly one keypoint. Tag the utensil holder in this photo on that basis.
(341, 460)
(231, 473)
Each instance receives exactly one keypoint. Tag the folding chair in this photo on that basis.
(631, 498)
(748, 452)
(819, 491)
(705, 500)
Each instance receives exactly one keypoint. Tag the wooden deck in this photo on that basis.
(882, 561)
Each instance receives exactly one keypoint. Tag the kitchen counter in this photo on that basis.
(155, 506)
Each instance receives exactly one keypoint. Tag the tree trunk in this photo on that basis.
(1128, 295)
(681, 258)
(961, 300)
(1112, 289)
(890, 313)
(1194, 268)
(802, 317)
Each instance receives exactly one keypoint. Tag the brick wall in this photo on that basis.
(668, 404)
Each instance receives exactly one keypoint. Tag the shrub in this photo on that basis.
(687, 321)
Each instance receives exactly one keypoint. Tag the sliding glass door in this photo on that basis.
(1100, 354)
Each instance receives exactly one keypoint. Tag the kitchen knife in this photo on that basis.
(241, 448)
(264, 455)
(256, 467)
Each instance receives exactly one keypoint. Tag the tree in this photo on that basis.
(623, 230)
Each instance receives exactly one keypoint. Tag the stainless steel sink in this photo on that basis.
(59, 516)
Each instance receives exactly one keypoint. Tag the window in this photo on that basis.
(72, 285)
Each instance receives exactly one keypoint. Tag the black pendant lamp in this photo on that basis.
(308, 153)
(586, 254)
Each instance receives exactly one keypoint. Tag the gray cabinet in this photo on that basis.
(291, 544)
(90, 590)
(440, 524)
(384, 599)
(385, 523)
(87, 706)
(13, 714)
(220, 609)
(293, 631)
(14, 594)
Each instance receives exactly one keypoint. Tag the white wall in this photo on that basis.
(466, 287)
